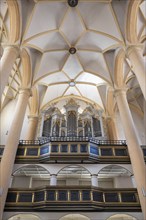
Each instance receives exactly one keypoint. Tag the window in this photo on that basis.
(54, 148)
(64, 148)
(73, 148)
(83, 148)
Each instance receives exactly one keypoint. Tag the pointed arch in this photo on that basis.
(14, 13)
(27, 71)
(119, 68)
(131, 25)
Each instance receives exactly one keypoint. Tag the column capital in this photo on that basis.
(26, 91)
(131, 48)
(32, 117)
(120, 91)
(53, 175)
(15, 47)
(93, 175)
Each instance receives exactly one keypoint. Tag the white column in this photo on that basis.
(42, 124)
(139, 66)
(11, 181)
(135, 151)
(53, 180)
(30, 182)
(94, 180)
(32, 127)
(7, 61)
(10, 149)
(112, 129)
(133, 181)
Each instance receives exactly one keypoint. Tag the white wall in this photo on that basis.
(123, 182)
(105, 183)
(40, 182)
(21, 181)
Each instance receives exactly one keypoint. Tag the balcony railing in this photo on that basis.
(63, 152)
(72, 198)
(72, 139)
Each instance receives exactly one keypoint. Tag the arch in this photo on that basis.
(73, 165)
(24, 165)
(121, 217)
(24, 216)
(119, 67)
(131, 25)
(27, 70)
(115, 176)
(120, 166)
(74, 217)
(110, 101)
(30, 176)
(74, 175)
(69, 97)
(14, 21)
(34, 102)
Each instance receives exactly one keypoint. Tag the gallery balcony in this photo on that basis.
(72, 198)
(75, 149)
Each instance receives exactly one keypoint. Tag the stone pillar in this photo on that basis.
(42, 124)
(139, 67)
(10, 149)
(112, 130)
(7, 61)
(135, 152)
(53, 180)
(94, 180)
(32, 127)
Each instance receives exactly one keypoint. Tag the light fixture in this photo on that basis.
(72, 83)
(72, 3)
(72, 50)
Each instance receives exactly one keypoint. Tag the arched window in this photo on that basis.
(74, 175)
(24, 217)
(30, 176)
(74, 217)
(114, 176)
(121, 217)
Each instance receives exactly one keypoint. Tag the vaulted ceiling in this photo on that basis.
(94, 29)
